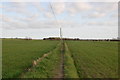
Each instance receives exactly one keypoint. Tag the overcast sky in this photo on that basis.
(77, 19)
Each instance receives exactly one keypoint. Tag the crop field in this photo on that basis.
(18, 55)
(47, 68)
(71, 59)
(95, 59)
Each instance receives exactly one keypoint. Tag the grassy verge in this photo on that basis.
(45, 69)
(69, 67)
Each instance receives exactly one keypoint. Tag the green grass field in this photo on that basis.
(17, 55)
(47, 67)
(82, 59)
(95, 59)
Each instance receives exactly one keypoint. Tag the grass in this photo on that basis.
(46, 68)
(17, 55)
(0, 58)
(82, 59)
(95, 59)
(69, 67)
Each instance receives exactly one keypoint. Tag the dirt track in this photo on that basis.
(60, 71)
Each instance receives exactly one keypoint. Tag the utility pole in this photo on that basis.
(61, 36)
(62, 46)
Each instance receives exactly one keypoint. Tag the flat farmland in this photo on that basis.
(70, 59)
(17, 55)
(95, 59)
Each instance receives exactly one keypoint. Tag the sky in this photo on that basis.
(85, 20)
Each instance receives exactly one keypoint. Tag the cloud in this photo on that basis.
(115, 15)
(1, 6)
(91, 9)
(23, 8)
(38, 6)
(107, 23)
(61, 23)
(5, 18)
(74, 8)
(106, 8)
(96, 15)
(101, 10)
(110, 6)
(31, 17)
(48, 15)
(59, 0)
(17, 7)
(82, 6)
(34, 21)
(11, 23)
(52, 24)
(35, 24)
(58, 7)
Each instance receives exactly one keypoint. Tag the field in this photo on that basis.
(18, 55)
(72, 59)
(95, 59)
